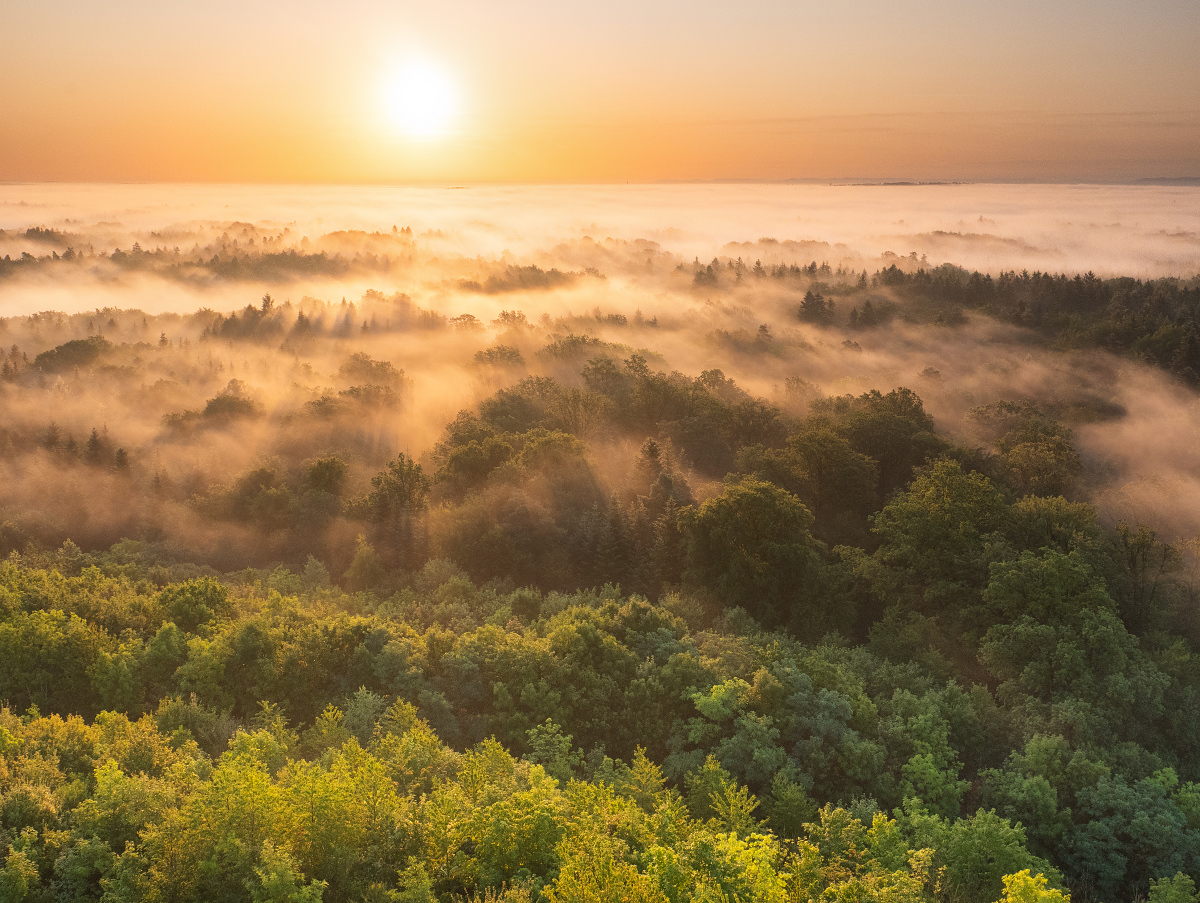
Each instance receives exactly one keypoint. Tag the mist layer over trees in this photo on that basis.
(597, 572)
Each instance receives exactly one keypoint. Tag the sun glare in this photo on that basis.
(420, 100)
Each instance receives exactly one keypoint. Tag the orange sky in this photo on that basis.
(622, 91)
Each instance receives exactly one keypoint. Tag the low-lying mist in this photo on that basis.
(163, 345)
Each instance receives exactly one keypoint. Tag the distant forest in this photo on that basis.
(1153, 320)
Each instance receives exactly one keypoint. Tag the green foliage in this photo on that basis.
(551, 748)
(47, 659)
(398, 490)
(18, 878)
(366, 571)
(789, 808)
(195, 603)
(1178, 889)
(393, 508)
(974, 854)
(232, 402)
(752, 546)
(75, 353)
(1061, 653)
(594, 872)
(1025, 888)
(326, 475)
(935, 533)
(893, 430)
(1035, 452)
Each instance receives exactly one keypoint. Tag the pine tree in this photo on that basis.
(815, 308)
(93, 450)
(1185, 363)
(669, 549)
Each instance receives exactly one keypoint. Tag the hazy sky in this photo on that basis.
(258, 90)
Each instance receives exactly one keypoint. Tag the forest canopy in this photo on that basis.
(385, 600)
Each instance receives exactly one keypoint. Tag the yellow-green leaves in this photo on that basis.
(1026, 888)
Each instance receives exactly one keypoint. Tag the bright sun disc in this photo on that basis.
(420, 100)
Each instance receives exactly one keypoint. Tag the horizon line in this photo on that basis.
(832, 181)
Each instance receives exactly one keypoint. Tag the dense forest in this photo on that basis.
(364, 601)
(1153, 320)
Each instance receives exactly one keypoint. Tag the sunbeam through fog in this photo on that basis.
(433, 281)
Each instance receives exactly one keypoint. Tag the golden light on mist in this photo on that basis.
(421, 99)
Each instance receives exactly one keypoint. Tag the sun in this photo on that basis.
(420, 99)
